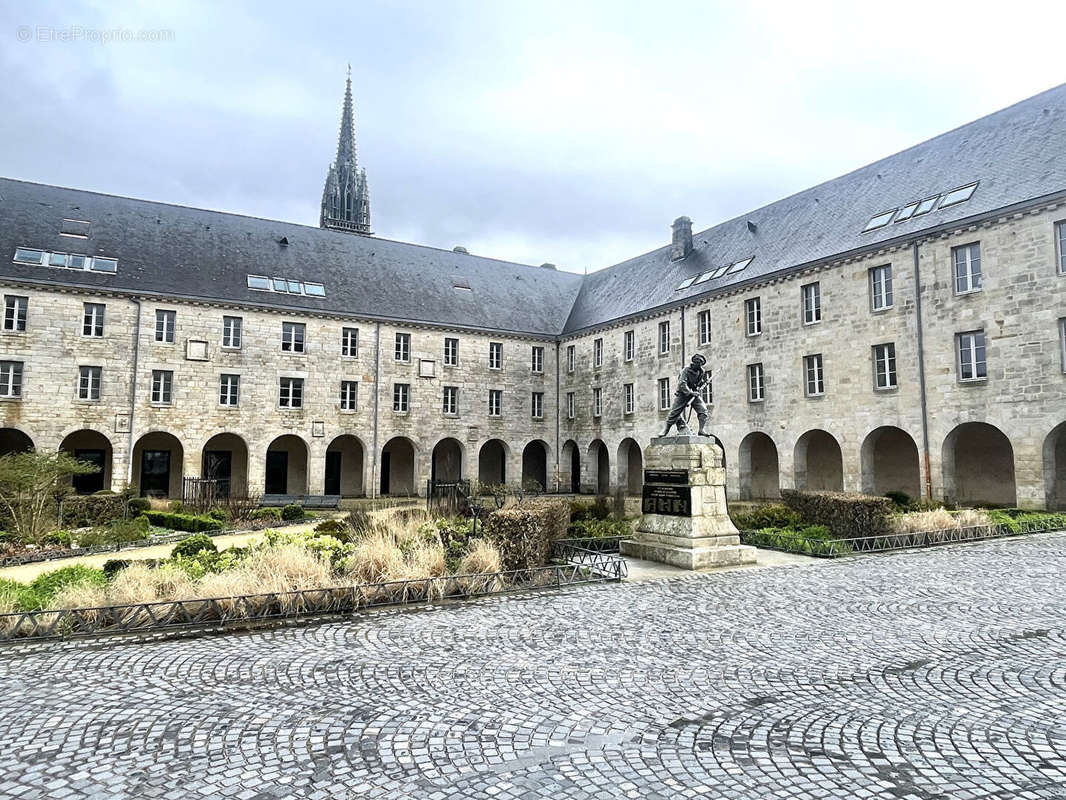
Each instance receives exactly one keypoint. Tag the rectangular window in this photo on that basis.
(885, 366)
(707, 393)
(450, 402)
(93, 320)
(756, 384)
(570, 358)
(350, 342)
(664, 394)
(229, 390)
(401, 398)
(537, 362)
(402, 351)
(10, 379)
(349, 395)
(495, 355)
(664, 337)
(628, 398)
(704, 324)
(231, 332)
(89, 383)
(28, 256)
(164, 326)
(451, 352)
(972, 365)
(813, 375)
(628, 346)
(597, 402)
(1060, 239)
(812, 303)
(967, 261)
(881, 287)
(753, 315)
(536, 405)
(1062, 342)
(162, 386)
(495, 402)
(292, 393)
(15, 312)
(570, 405)
(597, 352)
(292, 337)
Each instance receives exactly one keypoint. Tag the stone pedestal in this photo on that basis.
(685, 522)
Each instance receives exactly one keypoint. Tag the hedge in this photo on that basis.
(82, 511)
(183, 522)
(524, 534)
(847, 515)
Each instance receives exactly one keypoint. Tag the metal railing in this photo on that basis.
(38, 556)
(598, 555)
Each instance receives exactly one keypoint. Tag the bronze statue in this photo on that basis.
(689, 383)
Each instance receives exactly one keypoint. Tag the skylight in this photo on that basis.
(960, 195)
(879, 220)
(906, 212)
(286, 286)
(704, 276)
(919, 207)
(26, 255)
(718, 273)
(78, 228)
(737, 267)
(715, 272)
(686, 283)
(927, 205)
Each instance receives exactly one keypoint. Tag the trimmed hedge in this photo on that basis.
(770, 515)
(182, 522)
(524, 534)
(83, 511)
(191, 545)
(847, 515)
(293, 512)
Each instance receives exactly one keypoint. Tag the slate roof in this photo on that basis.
(1017, 154)
(186, 252)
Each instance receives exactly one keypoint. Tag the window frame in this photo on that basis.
(629, 401)
(886, 293)
(597, 353)
(229, 388)
(16, 310)
(452, 393)
(536, 405)
(495, 403)
(349, 342)
(664, 337)
(972, 351)
(629, 345)
(293, 337)
(496, 355)
(972, 286)
(571, 405)
(664, 394)
(401, 398)
(233, 331)
(536, 356)
(1060, 246)
(571, 358)
(890, 373)
(89, 383)
(812, 312)
(814, 373)
(293, 400)
(707, 392)
(1062, 342)
(703, 326)
(450, 357)
(756, 383)
(753, 317)
(166, 321)
(89, 320)
(401, 349)
(597, 402)
(12, 378)
(349, 399)
(162, 389)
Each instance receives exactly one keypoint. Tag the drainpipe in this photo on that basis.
(377, 389)
(684, 361)
(558, 423)
(133, 392)
(921, 373)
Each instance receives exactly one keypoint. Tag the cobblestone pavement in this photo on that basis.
(936, 674)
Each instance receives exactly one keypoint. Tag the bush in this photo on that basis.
(901, 500)
(597, 509)
(46, 586)
(598, 528)
(219, 513)
(771, 515)
(176, 507)
(114, 565)
(182, 522)
(138, 505)
(846, 515)
(191, 545)
(292, 512)
(333, 527)
(129, 530)
(812, 540)
(266, 513)
(60, 538)
(524, 535)
(83, 511)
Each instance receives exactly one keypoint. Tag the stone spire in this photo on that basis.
(346, 198)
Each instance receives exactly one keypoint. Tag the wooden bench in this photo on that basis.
(309, 501)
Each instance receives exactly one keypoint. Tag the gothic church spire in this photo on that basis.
(346, 198)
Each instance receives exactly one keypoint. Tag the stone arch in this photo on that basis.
(760, 476)
(570, 471)
(890, 462)
(398, 467)
(492, 462)
(1055, 468)
(446, 461)
(224, 457)
(630, 466)
(599, 461)
(535, 464)
(94, 447)
(286, 466)
(345, 456)
(158, 461)
(978, 463)
(12, 440)
(818, 462)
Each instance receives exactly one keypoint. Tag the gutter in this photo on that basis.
(133, 392)
(921, 373)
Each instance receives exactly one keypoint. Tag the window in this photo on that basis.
(703, 321)
(98, 264)
(536, 405)
(1062, 342)
(229, 390)
(285, 285)
(231, 332)
(967, 268)
(812, 303)
(164, 326)
(495, 402)
(93, 320)
(259, 282)
(537, 363)
(402, 351)
(495, 355)
(707, 393)
(15, 312)
(812, 369)
(569, 405)
(89, 383)
(450, 403)
(972, 365)
(756, 384)
(349, 395)
(28, 256)
(292, 393)
(401, 398)
(451, 352)
(879, 220)
(628, 347)
(960, 195)
(1060, 236)
(350, 342)
(10, 379)
(926, 205)
(881, 288)
(884, 366)
(292, 337)
(570, 359)
(162, 386)
(597, 352)
(664, 337)
(628, 398)
(597, 402)
(664, 394)
(753, 315)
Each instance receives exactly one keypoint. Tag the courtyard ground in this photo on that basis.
(931, 675)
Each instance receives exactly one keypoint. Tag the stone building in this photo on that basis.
(902, 327)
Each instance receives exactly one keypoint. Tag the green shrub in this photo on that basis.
(113, 566)
(191, 545)
(333, 527)
(129, 530)
(60, 538)
(901, 500)
(847, 515)
(19, 594)
(182, 522)
(598, 509)
(1043, 520)
(598, 528)
(266, 513)
(219, 513)
(999, 517)
(292, 512)
(813, 540)
(138, 505)
(770, 515)
(47, 585)
(83, 511)
(524, 535)
(176, 507)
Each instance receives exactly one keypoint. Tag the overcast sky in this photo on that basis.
(570, 132)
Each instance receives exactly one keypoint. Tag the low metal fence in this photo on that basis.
(595, 554)
(38, 556)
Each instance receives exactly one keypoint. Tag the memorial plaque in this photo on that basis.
(672, 501)
(677, 477)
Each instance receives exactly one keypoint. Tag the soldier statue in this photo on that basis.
(689, 383)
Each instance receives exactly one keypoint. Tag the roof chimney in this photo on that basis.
(460, 249)
(682, 239)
